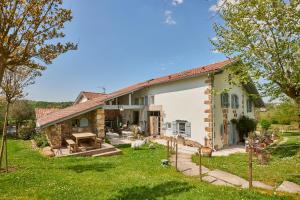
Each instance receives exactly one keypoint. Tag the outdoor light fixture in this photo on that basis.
(121, 108)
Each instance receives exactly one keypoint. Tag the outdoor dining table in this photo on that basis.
(79, 136)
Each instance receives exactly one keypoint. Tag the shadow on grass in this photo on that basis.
(97, 167)
(150, 193)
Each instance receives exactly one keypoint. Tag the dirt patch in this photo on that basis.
(9, 170)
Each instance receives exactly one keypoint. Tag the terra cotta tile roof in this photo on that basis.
(40, 112)
(96, 102)
(92, 95)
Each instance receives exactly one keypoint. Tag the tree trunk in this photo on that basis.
(2, 69)
(4, 135)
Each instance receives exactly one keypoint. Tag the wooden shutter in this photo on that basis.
(188, 130)
(232, 101)
(174, 127)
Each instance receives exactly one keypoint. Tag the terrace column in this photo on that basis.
(129, 99)
(100, 122)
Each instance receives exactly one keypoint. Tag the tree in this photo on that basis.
(30, 33)
(12, 86)
(264, 36)
(21, 111)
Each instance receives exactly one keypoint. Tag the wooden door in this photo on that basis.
(154, 125)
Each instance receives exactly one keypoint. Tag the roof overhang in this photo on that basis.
(68, 117)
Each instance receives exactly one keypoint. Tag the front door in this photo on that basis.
(233, 134)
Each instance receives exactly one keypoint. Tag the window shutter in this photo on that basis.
(237, 102)
(188, 130)
(222, 100)
(174, 127)
(232, 101)
(222, 130)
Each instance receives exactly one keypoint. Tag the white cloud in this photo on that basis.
(169, 18)
(214, 39)
(177, 2)
(215, 51)
(221, 4)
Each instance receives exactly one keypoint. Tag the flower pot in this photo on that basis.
(206, 151)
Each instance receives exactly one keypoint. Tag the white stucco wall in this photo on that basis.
(183, 100)
(220, 84)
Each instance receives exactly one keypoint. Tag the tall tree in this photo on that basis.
(12, 87)
(30, 31)
(265, 36)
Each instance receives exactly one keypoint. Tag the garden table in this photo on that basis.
(79, 136)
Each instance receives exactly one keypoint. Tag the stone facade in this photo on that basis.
(208, 113)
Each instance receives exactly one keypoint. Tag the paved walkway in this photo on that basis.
(192, 150)
(218, 177)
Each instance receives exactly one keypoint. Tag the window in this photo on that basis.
(151, 100)
(225, 100)
(84, 122)
(142, 101)
(234, 101)
(182, 127)
(146, 100)
(249, 105)
(136, 101)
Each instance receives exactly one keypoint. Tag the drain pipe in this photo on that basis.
(213, 111)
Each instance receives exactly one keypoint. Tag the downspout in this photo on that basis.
(213, 111)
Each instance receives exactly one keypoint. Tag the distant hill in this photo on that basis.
(46, 104)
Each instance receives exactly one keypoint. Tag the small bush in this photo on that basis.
(41, 140)
(265, 124)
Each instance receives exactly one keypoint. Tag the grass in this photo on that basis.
(284, 163)
(136, 174)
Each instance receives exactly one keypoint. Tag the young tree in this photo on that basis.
(12, 87)
(264, 36)
(30, 33)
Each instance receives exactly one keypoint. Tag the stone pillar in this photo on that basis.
(209, 112)
(100, 122)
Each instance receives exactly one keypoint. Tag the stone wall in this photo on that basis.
(58, 133)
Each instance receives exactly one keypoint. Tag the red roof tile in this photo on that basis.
(77, 109)
(92, 95)
(40, 112)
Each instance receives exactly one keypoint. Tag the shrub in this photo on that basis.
(41, 140)
(245, 125)
(27, 131)
(265, 124)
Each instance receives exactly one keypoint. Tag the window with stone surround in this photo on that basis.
(234, 101)
(225, 100)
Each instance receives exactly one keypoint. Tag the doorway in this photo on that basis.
(233, 133)
(136, 117)
(154, 123)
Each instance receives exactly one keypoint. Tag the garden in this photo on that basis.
(137, 174)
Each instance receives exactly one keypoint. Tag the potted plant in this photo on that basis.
(206, 151)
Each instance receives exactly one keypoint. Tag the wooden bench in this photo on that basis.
(99, 142)
(71, 145)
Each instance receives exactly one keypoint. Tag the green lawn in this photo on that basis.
(136, 174)
(284, 163)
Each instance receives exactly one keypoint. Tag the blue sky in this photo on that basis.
(125, 42)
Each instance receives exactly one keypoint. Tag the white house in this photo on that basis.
(192, 104)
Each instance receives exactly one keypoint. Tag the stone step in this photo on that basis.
(227, 177)
(108, 153)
